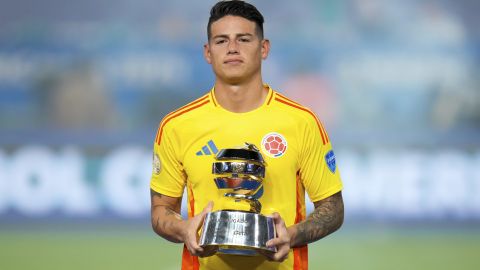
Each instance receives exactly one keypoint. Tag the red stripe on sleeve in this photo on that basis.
(323, 129)
(176, 115)
(158, 132)
(320, 128)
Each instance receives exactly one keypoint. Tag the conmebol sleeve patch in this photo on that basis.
(330, 159)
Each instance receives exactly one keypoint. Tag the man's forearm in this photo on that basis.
(166, 220)
(167, 223)
(325, 219)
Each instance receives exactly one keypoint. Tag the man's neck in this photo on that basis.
(240, 98)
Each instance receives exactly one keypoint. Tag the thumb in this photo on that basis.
(279, 223)
(276, 217)
(201, 216)
(208, 208)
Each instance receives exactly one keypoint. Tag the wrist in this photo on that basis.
(292, 232)
(181, 229)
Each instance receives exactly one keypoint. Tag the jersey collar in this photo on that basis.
(267, 101)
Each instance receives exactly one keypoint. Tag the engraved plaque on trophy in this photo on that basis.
(239, 228)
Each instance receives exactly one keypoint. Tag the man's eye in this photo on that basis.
(220, 41)
(244, 40)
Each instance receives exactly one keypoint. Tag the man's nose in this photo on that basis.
(233, 47)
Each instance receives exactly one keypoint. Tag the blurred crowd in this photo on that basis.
(365, 66)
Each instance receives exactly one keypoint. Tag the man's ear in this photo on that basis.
(206, 53)
(265, 48)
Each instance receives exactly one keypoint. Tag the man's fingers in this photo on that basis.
(199, 251)
(194, 248)
(277, 256)
(281, 241)
(274, 242)
(267, 254)
(281, 229)
(280, 256)
(208, 251)
(191, 236)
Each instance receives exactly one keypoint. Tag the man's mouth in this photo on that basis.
(233, 61)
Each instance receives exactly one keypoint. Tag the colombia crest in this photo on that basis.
(274, 145)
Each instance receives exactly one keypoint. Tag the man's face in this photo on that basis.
(234, 50)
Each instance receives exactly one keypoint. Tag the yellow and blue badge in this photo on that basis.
(330, 160)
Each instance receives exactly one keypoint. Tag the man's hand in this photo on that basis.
(169, 224)
(190, 234)
(281, 242)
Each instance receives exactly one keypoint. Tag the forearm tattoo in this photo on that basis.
(325, 219)
(157, 222)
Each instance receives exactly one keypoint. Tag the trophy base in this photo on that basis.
(239, 233)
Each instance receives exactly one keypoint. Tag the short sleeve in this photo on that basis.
(168, 176)
(318, 169)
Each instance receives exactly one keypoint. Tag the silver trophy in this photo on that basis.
(239, 228)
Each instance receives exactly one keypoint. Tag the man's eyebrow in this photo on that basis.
(244, 34)
(220, 36)
(237, 35)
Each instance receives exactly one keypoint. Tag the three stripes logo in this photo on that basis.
(208, 149)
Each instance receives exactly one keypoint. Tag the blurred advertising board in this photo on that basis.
(391, 184)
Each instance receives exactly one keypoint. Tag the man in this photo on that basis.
(241, 108)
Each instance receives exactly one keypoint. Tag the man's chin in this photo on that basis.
(234, 79)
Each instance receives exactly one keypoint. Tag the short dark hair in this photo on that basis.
(236, 8)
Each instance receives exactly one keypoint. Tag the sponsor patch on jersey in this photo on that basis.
(330, 159)
(274, 145)
(157, 166)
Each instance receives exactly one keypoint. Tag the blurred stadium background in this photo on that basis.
(84, 84)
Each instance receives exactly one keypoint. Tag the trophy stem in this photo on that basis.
(255, 205)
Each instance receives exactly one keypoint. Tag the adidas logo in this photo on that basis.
(208, 149)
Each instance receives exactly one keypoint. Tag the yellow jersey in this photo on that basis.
(293, 142)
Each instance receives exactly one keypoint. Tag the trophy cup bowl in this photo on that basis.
(240, 229)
